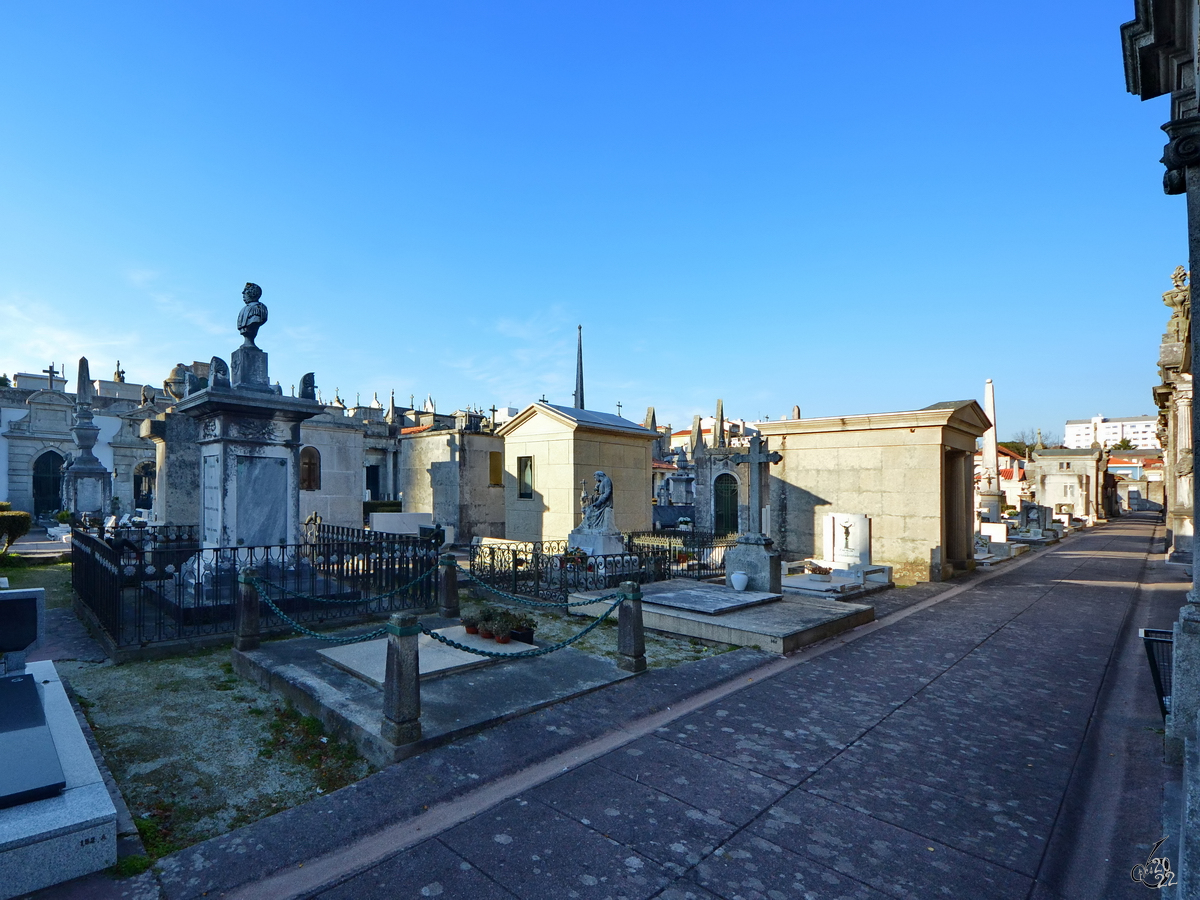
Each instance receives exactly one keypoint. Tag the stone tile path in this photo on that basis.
(928, 759)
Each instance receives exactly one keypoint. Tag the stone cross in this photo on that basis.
(51, 372)
(618, 407)
(755, 458)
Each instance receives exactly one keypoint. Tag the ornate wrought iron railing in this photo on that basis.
(692, 554)
(549, 571)
(145, 591)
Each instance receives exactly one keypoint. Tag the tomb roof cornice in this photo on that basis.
(966, 416)
(578, 420)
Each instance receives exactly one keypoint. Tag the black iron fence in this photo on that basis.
(158, 584)
(550, 571)
(691, 554)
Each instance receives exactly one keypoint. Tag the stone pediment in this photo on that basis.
(50, 412)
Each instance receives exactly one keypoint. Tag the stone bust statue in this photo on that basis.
(253, 315)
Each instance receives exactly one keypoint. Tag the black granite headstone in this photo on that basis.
(18, 624)
(29, 767)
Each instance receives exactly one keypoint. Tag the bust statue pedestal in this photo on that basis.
(248, 371)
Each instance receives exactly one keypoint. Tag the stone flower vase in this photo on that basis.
(739, 580)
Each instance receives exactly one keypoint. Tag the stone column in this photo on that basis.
(177, 467)
(1181, 156)
(402, 684)
(631, 635)
(448, 587)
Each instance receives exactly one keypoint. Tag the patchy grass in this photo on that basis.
(185, 740)
(334, 763)
(130, 866)
(54, 577)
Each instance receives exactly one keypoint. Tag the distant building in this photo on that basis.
(1142, 432)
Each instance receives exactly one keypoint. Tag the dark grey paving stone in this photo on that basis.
(1041, 702)
(636, 815)
(753, 742)
(684, 889)
(429, 869)
(924, 729)
(751, 868)
(774, 708)
(978, 771)
(891, 859)
(1012, 833)
(1034, 797)
(535, 851)
(720, 788)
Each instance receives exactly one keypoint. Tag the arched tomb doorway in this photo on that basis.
(144, 475)
(47, 483)
(725, 504)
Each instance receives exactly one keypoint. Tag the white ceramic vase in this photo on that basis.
(739, 580)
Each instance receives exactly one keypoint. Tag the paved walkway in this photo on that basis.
(1000, 740)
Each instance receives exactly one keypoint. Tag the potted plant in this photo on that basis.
(470, 622)
(503, 631)
(574, 556)
(486, 624)
(523, 628)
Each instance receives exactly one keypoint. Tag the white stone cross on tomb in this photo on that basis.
(756, 457)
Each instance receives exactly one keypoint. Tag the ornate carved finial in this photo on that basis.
(1178, 300)
(119, 374)
(253, 315)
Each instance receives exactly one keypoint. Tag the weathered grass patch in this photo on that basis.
(184, 739)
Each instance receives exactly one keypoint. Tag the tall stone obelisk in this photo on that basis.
(86, 484)
(991, 498)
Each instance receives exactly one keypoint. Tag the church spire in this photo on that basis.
(579, 373)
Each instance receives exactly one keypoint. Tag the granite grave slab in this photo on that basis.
(368, 659)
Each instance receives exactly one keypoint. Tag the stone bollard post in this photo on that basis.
(247, 631)
(448, 587)
(402, 685)
(631, 636)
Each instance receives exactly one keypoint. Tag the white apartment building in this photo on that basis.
(1142, 432)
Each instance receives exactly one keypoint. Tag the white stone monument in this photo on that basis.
(847, 540)
(991, 498)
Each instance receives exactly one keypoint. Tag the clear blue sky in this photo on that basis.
(850, 207)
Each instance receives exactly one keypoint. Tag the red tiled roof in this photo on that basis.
(416, 429)
(663, 464)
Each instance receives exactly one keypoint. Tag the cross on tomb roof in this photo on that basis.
(756, 457)
(51, 372)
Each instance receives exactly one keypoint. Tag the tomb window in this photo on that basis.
(495, 467)
(525, 477)
(310, 469)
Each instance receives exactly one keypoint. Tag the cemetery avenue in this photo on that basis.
(624, 451)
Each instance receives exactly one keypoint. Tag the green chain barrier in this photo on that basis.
(369, 636)
(529, 654)
(525, 601)
(261, 583)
